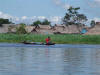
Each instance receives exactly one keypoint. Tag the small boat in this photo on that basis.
(50, 44)
(37, 43)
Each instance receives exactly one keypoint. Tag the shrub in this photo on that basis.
(46, 22)
(36, 23)
(21, 29)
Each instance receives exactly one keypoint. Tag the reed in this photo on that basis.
(59, 39)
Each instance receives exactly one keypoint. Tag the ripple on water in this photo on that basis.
(20, 59)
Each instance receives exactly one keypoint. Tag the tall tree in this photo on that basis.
(73, 17)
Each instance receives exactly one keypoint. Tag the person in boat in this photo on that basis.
(48, 40)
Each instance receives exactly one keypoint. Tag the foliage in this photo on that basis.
(36, 23)
(22, 24)
(61, 39)
(45, 22)
(73, 17)
(21, 29)
(4, 21)
(92, 23)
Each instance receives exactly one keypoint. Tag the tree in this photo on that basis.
(36, 23)
(21, 29)
(45, 22)
(4, 21)
(72, 17)
(92, 23)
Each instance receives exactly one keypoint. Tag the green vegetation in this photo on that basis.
(45, 22)
(73, 17)
(21, 29)
(93, 23)
(4, 21)
(59, 39)
(38, 22)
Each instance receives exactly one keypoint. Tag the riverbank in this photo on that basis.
(59, 39)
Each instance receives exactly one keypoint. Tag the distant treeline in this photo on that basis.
(45, 22)
(4, 21)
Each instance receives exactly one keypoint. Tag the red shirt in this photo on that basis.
(47, 40)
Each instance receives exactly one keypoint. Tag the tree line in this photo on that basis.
(38, 22)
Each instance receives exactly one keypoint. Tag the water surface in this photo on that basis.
(20, 59)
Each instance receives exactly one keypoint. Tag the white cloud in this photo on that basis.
(97, 0)
(5, 16)
(57, 2)
(17, 19)
(29, 20)
(33, 17)
(55, 19)
(66, 6)
(24, 17)
(97, 19)
(1, 13)
(41, 17)
(94, 3)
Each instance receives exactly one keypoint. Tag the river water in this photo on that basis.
(20, 59)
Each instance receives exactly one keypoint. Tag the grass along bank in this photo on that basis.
(59, 39)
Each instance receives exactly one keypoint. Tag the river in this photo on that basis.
(20, 59)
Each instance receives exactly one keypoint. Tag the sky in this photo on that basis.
(28, 11)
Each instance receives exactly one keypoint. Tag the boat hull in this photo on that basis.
(34, 43)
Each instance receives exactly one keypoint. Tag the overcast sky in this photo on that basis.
(53, 10)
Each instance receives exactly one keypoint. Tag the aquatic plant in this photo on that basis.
(60, 39)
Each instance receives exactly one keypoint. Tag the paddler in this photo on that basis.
(48, 40)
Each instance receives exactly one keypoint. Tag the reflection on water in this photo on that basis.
(49, 61)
